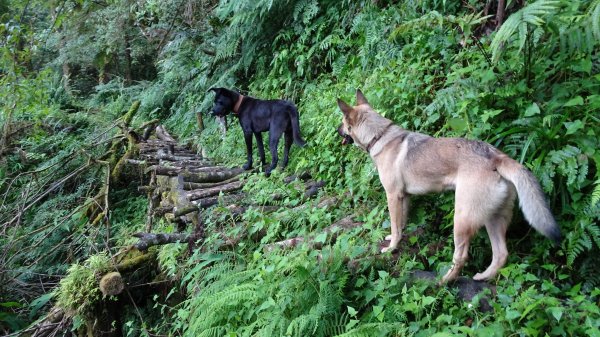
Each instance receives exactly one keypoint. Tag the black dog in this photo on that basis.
(257, 116)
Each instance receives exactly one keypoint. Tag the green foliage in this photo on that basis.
(78, 292)
(285, 296)
(532, 14)
(530, 88)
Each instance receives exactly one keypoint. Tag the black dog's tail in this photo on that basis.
(293, 112)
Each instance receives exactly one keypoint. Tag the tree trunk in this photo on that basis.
(500, 13)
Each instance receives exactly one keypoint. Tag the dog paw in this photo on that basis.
(388, 249)
(388, 237)
(481, 277)
(247, 166)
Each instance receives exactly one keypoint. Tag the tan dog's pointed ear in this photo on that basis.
(346, 109)
(360, 98)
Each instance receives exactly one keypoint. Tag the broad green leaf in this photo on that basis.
(532, 110)
(556, 312)
(427, 300)
(573, 127)
(457, 124)
(321, 238)
(512, 314)
(577, 100)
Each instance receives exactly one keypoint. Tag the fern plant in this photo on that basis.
(532, 14)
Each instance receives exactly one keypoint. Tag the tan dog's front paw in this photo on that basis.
(388, 237)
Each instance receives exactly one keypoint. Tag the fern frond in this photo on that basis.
(594, 16)
(379, 329)
(216, 331)
(595, 197)
(425, 21)
(532, 14)
(303, 325)
(336, 325)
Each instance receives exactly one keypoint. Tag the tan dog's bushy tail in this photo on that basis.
(531, 198)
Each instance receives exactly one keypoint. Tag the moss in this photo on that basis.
(78, 291)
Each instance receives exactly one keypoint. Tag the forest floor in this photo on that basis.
(183, 186)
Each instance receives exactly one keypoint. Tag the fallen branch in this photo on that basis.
(208, 202)
(150, 239)
(160, 211)
(210, 177)
(196, 186)
(312, 188)
(162, 155)
(302, 176)
(172, 171)
(164, 170)
(334, 229)
(209, 192)
(185, 162)
(163, 134)
(148, 127)
(52, 187)
(139, 162)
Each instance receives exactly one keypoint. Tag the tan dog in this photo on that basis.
(486, 182)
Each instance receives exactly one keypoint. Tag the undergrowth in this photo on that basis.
(529, 87)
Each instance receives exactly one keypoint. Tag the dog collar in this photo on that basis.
(377, 138)
(237, 105)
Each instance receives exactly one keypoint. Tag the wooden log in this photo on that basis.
(185, 163)
(165, 155)
(147, 128)
(304, 176)
(132, 150)
(146, 189)
(163, 134)
(313, 187)
(211, 177)
(151, 145)
(147, 240)
(228, 199)
(211, 173)
(205, 193)
(332, 230)
(160, 211)
(128, 117)
(164, 170)
(196, 186)
(138, 162)
(209, 169)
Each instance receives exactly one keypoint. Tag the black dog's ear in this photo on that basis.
(346, 109)
(360, 98)
(216, 90)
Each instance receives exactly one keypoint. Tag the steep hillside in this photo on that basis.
(90, 90)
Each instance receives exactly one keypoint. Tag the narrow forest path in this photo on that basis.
(183, 184)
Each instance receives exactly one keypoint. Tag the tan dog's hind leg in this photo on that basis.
(463, 231)
(496, 229)
(398, 208)
(497, 233)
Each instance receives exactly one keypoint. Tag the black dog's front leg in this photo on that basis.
(248, 139)
(261, 148)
